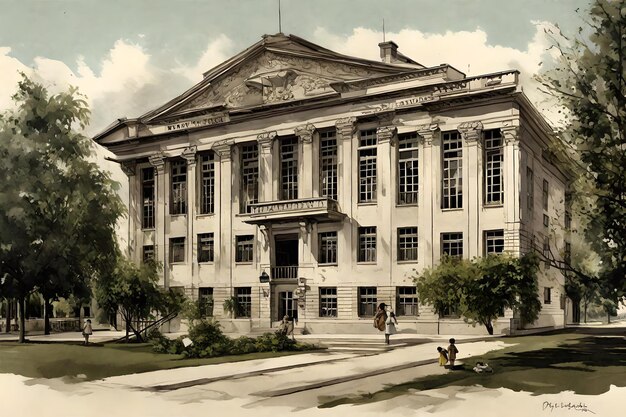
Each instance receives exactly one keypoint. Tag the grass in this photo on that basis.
(585, 361)
(81, 363)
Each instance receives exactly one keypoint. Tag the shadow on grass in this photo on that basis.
(541, 364)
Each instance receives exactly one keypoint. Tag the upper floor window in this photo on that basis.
(494, 241)
(206, 247)
(367, 166)
(249, 177)
(494, 157)
(367, 244)
(546, 251)
(148, 253)
(245, 248)
(328, 164)
(545, 194)
(207, 183)
(452, 175)
(177, 249)
(179, 187)
(452, 244)
(328, 248)
(408, 178)
(530, 189)
(289, 168)
(147, 198)
(407, 244)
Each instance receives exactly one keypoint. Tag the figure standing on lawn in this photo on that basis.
(452, 351)
(443, 356)
(87, 331)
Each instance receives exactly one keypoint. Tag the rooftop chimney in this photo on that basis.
(388, 51)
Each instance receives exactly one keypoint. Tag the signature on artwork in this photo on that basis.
(563, 405)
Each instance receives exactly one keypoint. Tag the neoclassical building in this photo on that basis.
(307, 183)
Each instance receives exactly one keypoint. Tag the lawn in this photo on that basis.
(585, 361)
(81, 363)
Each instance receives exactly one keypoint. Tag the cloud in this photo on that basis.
(217, 51)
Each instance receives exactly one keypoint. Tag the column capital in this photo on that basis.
(305, 132)
(510, 134)
(223, 149)
(129, 167)
(189, 154)
(471, 131)
(385, 118)
(385, 134)
(266, 139)
(427, 132)
(346, 127)
(157, 160)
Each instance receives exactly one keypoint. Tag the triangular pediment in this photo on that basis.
(276, 70)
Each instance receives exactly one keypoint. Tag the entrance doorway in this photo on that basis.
(287, 305)
(285, 256)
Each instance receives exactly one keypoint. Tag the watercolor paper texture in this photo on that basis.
(294, 164)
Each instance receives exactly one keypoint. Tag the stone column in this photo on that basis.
(305, 169)
(346, 131)
(160, 216)
(386, 197)
(512, 187)
(224, 239)
(134, 221)
(427, 198)
(189, 154)
(266, 160)
(471, 134)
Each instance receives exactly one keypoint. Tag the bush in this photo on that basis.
(243, 345)
(274, 342)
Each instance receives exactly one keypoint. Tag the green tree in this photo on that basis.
(58, 210)
(481, 288)
(134, 292)
(588, 81)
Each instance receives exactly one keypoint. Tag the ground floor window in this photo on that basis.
(406, 304)
(328, 302)
(205, 301)
(547, 295)
(449, 312)
(367, 301)
(148, 253)
(244, 301)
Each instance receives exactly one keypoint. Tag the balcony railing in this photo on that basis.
(284, 272)
(317, 208)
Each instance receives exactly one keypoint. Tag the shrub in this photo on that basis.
(243, 345)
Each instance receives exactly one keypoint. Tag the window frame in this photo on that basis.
(328, 302)
(489, 239)
(206, 183)
(367, 236)
(328, 164)
(451, 161)
(146, 250)
(178, 187)
(243, 253)
(402, 298)
(407, 235)
(547, 295)
(545, 194)
(177, 244)
(249, 181)
(452, 237)
(244, 302)
(493, 167)
(367, 300)
(203, 306)
(148, 218)
(325, 247)
(367, 152)
(210, 237)
(408, 161)
(288, 151)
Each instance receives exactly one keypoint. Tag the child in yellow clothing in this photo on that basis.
(443, 356)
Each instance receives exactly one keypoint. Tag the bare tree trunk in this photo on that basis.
(21, 313)
(46, 315)
(9, 311)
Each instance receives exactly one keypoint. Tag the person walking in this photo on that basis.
(87, 331)
(381, 317)
(390, 326)
(452, 351)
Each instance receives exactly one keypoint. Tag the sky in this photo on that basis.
(131, 56)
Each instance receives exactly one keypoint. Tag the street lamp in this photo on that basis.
(264, 277)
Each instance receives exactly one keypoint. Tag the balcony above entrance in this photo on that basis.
(320, 209)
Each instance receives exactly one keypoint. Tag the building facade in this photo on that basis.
(307, 183)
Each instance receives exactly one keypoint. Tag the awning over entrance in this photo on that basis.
(320, 209)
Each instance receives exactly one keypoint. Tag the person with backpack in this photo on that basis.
(381, 317)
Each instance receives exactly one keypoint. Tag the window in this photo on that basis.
(408, 178)
(546, 251)
(449, 312)
(452, 176)
(407, 244)
(147, 197)
(494, 157)
(289, 168)
(452, 244)
(245, 246)
(328, 248)
(179, 187)
(249, 177)
(205, 301)
(328, 164)
(148, 253)
(494, 242)
(562, 301)
(530, 189)
(244, 302)
(206, 248)
(328, 302)
(367, 301)
(547, 295)
(367, 166)
(177, 249)
(406, 301)
(546, 220)
(544, 195)
(367, 244)
(207, 183)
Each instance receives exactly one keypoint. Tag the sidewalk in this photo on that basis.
(98, 336)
